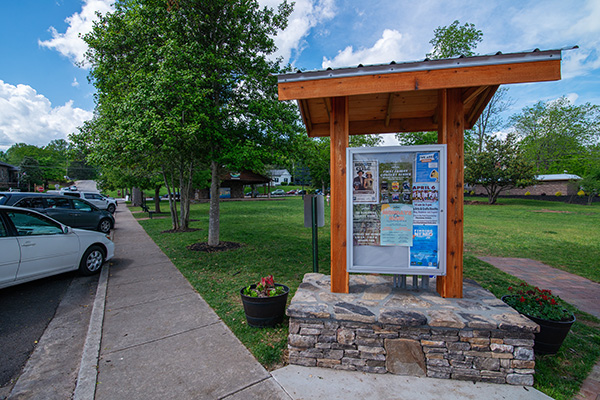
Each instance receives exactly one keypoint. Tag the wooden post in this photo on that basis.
(451, 132)
(339, 128)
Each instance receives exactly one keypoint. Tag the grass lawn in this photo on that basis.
(275, 242)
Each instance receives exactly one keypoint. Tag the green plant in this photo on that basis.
(265, 288)
(536, 302)
(558, 193)
(528, 193)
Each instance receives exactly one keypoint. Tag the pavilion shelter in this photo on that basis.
(446, 96)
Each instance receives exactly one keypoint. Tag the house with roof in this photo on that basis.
(8, 176)
(279, 176)
(550, 185)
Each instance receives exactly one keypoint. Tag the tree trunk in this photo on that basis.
(136, 197)
(157, 198)
(172, 203)
(185, 188)
(213, 214)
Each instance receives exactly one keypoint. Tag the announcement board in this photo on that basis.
(395, 217)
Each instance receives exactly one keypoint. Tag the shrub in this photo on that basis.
(558, 193)
(528, 193)
(581, 193)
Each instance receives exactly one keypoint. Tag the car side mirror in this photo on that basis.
(67, 230)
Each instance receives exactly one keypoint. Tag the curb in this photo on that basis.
(88, 369)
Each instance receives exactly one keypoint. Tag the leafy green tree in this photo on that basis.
(591, 183)
(30, 171)
(185, 86)
(558, 136)
(501, 166)
(455, 40)
(450, 41)
(490, 120)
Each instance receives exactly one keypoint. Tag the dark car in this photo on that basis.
(73, 212)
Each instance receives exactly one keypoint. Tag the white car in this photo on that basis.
(34, 246)
(97, 199)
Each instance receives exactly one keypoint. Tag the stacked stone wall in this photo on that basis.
(379, 329)
(494, 356)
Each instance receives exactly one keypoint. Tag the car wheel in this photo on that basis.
(92, 260)
(104, 226)
(111, 208)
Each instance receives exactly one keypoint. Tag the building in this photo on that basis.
(8, 176)
(550, 185)
(279, 176)
(232, 185)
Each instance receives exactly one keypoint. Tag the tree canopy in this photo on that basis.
(559, 136)
(186, 86)
(499, 167)
(455, 40)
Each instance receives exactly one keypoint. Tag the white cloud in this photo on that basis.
(75, 83)
(28, 117)
(393, 45)
(307, 15)
(70, 43)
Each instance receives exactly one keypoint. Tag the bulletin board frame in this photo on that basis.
(396, 210)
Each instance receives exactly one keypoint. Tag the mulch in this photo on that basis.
(181, 230)
(222, 246)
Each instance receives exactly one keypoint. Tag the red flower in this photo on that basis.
(522, 299)
(552, 301)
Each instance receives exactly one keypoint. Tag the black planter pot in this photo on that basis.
(265, 311)
(551, 335)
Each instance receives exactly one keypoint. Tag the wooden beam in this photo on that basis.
(471, 94)
(485, 75)
(327, 101)
(388, 112)
(306, 114)
(442, 116)
(451, 285)
(339, 142)
(378, 126)
(479, 106)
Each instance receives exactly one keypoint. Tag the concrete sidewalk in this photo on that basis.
(159, 340)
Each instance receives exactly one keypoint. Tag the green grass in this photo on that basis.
(565, 236)
(275, 242)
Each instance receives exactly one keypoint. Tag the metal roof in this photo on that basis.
(404, 97)
(426, 65)
(557, 177)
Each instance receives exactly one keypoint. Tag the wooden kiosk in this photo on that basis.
(446, 96)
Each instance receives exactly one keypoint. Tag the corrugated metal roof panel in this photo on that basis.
(446, 63)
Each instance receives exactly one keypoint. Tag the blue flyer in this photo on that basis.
(424, 250)
(428, 167)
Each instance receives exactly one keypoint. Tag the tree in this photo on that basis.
(185, 86)
(501, 166)
(490, 121)
(558, 136)
(591, 183)
(448, 41)
(30, 171)
(454, 40)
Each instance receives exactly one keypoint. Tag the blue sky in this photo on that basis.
(45, 95)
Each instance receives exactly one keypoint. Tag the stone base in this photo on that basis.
(380, 329)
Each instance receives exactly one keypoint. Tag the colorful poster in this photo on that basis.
(365, 183)
(424, 251)
(396, 182)
(428, 167)
(366, 225)
(396, 225)
(426, 203)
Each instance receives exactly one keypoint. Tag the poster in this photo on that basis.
(426, 204)
(396, 182)
(424, 250)
(365, 182)
(366, 224)
(428, 167)
(396, 225)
